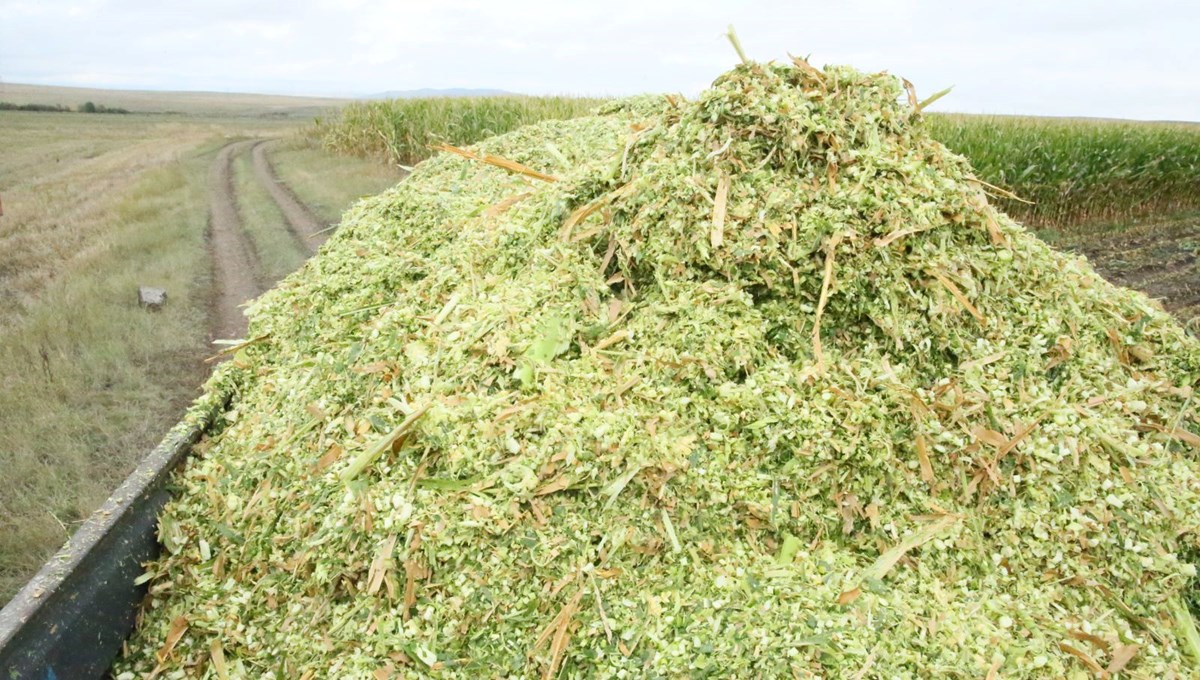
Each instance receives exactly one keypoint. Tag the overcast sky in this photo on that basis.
(1050, 57)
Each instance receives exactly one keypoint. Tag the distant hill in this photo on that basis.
(439, 92)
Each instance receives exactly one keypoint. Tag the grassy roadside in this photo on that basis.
(89, 382)
(326, 182)
(81, 365)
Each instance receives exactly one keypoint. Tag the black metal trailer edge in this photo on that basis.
(70, 620)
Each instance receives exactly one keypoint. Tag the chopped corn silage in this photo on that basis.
(756, 385)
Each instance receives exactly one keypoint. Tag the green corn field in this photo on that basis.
(1072, 171)
(1080, 171)
(401, 130)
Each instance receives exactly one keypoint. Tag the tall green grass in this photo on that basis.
(401, 130)
(1075, 171)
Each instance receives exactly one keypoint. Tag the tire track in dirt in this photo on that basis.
(309, 231)
(236, 268)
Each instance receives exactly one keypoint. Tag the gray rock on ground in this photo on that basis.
(151, 298)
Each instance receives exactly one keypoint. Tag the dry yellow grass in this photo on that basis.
(93, 207)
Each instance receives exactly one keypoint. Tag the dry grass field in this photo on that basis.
(94, 206)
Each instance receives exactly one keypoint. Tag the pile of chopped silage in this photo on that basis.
(756, 385)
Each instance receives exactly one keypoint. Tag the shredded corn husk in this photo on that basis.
(785, 398)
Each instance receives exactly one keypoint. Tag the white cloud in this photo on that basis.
(1069, 57)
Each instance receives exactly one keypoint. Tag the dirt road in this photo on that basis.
(237, 272)
(305, 226)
